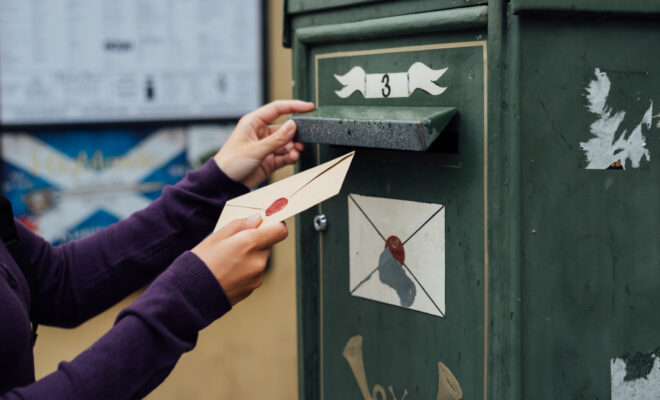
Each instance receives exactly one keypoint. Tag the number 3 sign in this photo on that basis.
(393, 84)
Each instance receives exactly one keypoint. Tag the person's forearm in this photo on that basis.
(84, 277)
(144, 345)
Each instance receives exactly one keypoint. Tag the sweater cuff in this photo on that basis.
(216, 182)
(201, 286)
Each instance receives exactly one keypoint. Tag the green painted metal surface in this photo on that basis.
(445, 20)
(552, 260)
(590, 253)
(298, 6)
(572, 6)
(363, 12)
(391, 355)
(306, 6)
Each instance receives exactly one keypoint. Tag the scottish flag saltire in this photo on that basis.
(67, 185)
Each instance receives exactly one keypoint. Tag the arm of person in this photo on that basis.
(149, 336)
(79, 279)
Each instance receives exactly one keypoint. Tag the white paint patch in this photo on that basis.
(391, 84)
(645, 388)
(604, 148)
(421, 228)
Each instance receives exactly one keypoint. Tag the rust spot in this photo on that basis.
(616, 165)
(277, 205)
(396, 248)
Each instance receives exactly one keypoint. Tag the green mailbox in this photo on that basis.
(498, 234)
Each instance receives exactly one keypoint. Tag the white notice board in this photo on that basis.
(91, 61)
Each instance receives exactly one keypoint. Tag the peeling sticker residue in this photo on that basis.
(636, 377)
(606, 147)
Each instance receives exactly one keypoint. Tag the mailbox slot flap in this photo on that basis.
(399, 128)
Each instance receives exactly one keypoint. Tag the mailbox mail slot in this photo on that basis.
(399, 128)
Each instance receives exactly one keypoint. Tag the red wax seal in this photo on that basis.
(276, 206)
(396, 248)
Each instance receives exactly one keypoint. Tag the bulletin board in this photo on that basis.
(122, 61)
(105, 102)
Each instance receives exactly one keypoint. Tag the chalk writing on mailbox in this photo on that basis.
(448, 386)
(391, 84)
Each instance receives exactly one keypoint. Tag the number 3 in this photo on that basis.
(386, 89)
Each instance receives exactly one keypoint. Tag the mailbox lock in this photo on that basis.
(320, 223)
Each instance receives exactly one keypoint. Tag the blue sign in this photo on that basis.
(67, 185)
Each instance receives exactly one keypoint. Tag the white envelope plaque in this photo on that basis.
(397, 252)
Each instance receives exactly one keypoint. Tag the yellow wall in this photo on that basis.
(250, 353)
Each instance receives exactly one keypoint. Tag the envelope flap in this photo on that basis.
(327, 184)
(261, 199)
(393, 216)
(301, 192)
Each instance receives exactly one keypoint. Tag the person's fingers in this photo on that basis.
(287, 148)
(267, 236)
(282, 151)
(274, 128)
(275, 109)
(260, 259)
(236, 226)
(277, 140)
(293, 149)
(297, 145)
(294, 155)
(281, 160)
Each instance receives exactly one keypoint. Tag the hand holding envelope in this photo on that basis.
(290, 196)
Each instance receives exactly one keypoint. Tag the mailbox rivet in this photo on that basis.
(320, 223)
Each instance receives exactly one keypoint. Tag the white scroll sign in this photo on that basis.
(395, 84)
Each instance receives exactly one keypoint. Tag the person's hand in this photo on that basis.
(237, 254)
(255, 149)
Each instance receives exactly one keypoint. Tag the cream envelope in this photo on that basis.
(397, 252)
(290, 196)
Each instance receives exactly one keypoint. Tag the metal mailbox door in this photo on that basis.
(392, 294)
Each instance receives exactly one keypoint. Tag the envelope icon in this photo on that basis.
(397, 252)
(288, 197)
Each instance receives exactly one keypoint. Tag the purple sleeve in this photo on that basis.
(147, 340)
(79, 279)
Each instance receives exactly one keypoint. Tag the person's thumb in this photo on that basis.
(238, 225)
(277, 139)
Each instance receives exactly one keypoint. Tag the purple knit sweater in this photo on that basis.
(80, 279)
